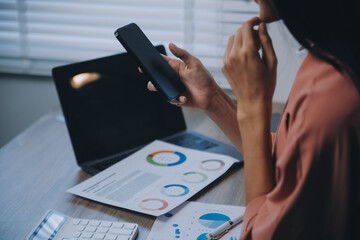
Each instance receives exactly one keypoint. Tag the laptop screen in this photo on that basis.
(108, 108)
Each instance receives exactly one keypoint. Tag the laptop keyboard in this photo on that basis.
(186, 140)
(108, 162)
(191, 141)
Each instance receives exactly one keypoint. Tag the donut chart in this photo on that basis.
(211, 165)
(194, 177)
(153, 204)
(175, 190)
(166, 158)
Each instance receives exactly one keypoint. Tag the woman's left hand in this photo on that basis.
(251, 76)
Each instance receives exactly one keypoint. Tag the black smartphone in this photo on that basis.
(164, 78)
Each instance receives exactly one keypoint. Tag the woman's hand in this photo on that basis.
(200, 85)
(203, 92)
(253, 79)
(251, 76)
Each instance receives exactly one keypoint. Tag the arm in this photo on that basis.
(222, 111)
(252, 79)
(203, 93)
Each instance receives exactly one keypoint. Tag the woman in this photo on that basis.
(303, 182)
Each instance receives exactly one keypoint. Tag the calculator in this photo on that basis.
(57, 226)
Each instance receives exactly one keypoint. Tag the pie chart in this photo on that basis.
(166, 158)
(202, 237)
(213, 220)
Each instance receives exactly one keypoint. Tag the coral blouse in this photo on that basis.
(317, 162)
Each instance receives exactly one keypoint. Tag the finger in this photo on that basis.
(248, 32)
(167, 59)
(237, 43)
(151, 87)
(140, 70)
(229, 46)
(174, 63)
(269, 55)
(181, 100)
(184, 55)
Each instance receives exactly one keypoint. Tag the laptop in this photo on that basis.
(110, 113)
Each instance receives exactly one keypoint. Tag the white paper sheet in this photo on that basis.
(155, 179)
(193, 220)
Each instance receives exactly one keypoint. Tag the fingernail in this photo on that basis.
(263, 28)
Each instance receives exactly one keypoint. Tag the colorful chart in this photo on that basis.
(213, 220)
(211, 165)
(166, 158)
(177, 230)
(202, 237)
(153, 204)
(175, 190)
(194, 177)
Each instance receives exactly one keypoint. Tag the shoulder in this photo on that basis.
(329, 100)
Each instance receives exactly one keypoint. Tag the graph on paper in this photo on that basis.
(193, 220)
(156, 179)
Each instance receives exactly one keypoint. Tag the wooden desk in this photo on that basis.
(38, 166)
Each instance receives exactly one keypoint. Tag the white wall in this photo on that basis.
(23, 99)
(288, 61)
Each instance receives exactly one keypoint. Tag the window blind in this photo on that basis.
(214, 22)
(36, 35)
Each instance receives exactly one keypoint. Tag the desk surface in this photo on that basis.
(38, 166)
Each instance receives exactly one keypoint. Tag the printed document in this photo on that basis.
(193, 220)
(155, 179)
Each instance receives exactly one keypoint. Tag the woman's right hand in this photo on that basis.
(200, 85)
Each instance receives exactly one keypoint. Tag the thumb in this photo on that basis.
(269, 55)
(184, 55)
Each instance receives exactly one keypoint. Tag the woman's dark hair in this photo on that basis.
(329, 29)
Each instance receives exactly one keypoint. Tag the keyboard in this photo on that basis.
(191, 141)
(58, 226)
(109, 162)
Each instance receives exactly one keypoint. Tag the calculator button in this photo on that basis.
(102, 230)
(106, 224)
(94, 223)
(129, 226)
(90, 229)
(77, 234)
(117, 225)
(122, 238)
(81, 228)
(84, 222)
(110, 237)
(120, 232)
(76, 221)
(86, 235)
(98, 236)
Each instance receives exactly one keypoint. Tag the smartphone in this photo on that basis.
(164, 78)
